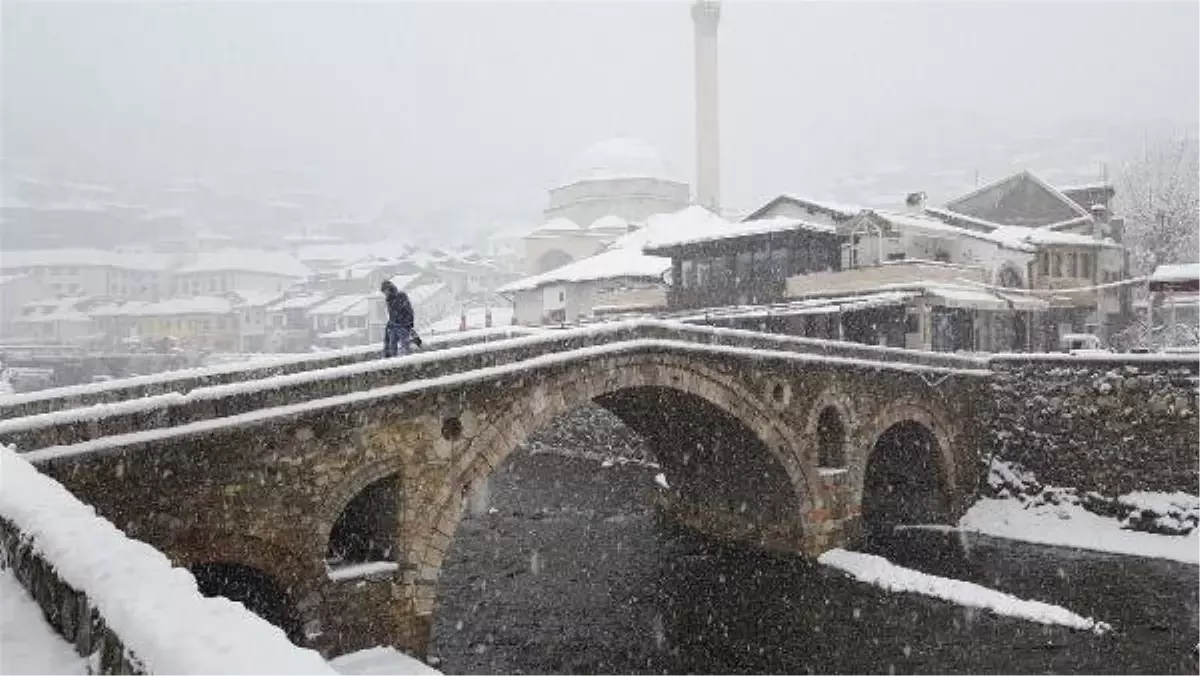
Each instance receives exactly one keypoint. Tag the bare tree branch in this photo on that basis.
(1161, 204)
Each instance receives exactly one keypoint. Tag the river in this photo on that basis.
(572, 572)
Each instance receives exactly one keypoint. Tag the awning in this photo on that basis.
(979, 299)
(813, 306)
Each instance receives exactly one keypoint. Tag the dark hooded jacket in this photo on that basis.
(400, 311)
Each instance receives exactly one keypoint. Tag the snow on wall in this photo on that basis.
(1096, 425)
(154, 608)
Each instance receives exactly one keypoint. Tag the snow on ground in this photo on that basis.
(154, 607)
(882, 573)
(1070, 525)
(28, 645)
(380, 660)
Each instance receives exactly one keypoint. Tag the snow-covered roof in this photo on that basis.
(815, 206)
(263, 262)
(300, 302)
(336, 334)
(1016, 235)
(341, 305)
(809, 306)
(748, 228)
(196, 305)
(1179, 276)
(129, 260)
(685, 225)
(1181, 272)
(255, 298)
(616, 263)
(617, 158)
(403, 281)
(422, 293)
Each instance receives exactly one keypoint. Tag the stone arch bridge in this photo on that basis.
(327, 497)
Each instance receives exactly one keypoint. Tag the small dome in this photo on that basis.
(617, 158)
(558, 225)
(610, 222)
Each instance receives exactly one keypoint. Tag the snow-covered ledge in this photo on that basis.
(121, 600)
(358, 571)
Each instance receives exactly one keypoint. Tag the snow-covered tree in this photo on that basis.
(1158, 193)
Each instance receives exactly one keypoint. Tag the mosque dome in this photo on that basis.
(618, 157)
(611, 222)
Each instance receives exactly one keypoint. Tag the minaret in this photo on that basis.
(706, 14)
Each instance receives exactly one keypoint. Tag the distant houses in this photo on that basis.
(1013, 265)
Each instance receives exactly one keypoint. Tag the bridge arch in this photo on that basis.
(570, 389)
(831, 428)
(389, 467)
(910, 474)
(258, 591)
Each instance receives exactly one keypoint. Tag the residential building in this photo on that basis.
(204, 323)
(16, 292)
(1011, 266)
(58, 321)
(218, 272)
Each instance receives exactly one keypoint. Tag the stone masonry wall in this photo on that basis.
(1106, 426)
(66, 609)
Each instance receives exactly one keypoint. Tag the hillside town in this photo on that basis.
(1016, 265)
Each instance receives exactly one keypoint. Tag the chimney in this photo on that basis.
(706, 14)
(915, 202)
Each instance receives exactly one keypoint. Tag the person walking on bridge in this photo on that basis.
(397, 336)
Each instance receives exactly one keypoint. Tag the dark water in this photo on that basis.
(573, 573)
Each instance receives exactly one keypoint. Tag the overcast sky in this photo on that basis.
(445, 104)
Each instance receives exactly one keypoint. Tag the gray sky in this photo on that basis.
(479, 107)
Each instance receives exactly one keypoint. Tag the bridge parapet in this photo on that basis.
(78, 396)
(222, 400)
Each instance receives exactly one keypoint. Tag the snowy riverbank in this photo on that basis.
(1140, 523)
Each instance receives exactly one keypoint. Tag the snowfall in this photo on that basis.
(29, 645)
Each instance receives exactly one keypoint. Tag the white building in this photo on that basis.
(620, 279)
(16, 291)
(91, 272)
(610, 187)
(228, 270)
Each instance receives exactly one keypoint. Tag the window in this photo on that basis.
(1045, 260)
(719, 271)
(912, 323)
(1058, 265)
(703, 278)
(688, 270)
(1085, 265)
(779, 261)
(741, 267)
(1072, 268)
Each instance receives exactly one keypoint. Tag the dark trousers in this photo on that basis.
(396, 340)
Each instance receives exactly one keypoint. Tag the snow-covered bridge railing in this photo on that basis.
(120, 601)
(61, 398)
(173, 409)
